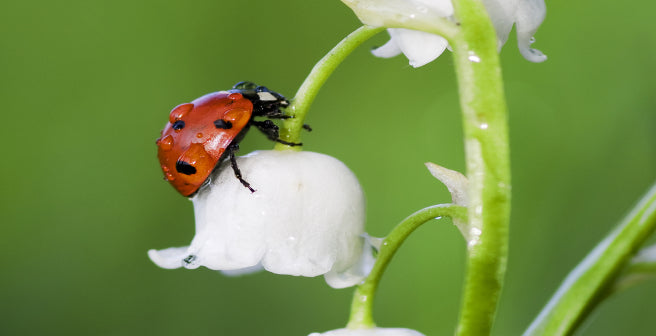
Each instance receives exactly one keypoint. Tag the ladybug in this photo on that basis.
(201, 134)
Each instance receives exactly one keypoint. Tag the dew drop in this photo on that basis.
(235, 96)
(531, 40)
(180, 111)
(165, 143)
(473, 57)
(199, 135)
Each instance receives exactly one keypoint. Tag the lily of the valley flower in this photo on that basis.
(306, 218)
(421, 48)
(370, 332)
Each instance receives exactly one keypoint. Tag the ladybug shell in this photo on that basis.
(197, 135)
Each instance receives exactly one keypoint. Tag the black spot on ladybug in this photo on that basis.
(178, 125)
(185, 168)
(189, 259)
(222, 124)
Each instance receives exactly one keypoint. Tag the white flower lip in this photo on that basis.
(306, 218)
(421, 48)
(370, 332)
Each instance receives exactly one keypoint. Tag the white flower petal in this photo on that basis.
(306, 217)
(358, 271)
(529, 16)
(243, 271)
(169, 258)
(377, 13)
(442, 8)
(526, 14)
(419, 47)
(389, 49)
(370, 332)
(502, 14)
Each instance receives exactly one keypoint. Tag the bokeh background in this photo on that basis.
(87, 85)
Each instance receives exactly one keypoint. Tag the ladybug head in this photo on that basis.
(265, 102)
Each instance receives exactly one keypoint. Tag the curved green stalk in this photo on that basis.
(488, 165)
(300, 104)
(588, 283)
(363, 298)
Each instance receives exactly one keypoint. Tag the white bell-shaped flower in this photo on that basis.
(370, 332)
(421, 48)
(306, 218)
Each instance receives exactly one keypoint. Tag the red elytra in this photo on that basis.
(197, 136)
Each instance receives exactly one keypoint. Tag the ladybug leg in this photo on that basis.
(307, 127)
(278, 115)
(235, 168)
(271, 130)
(288, 143)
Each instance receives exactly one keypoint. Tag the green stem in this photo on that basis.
(300, 104)
(363, 298)
(488, 165)
(587, 284)
(640, 268)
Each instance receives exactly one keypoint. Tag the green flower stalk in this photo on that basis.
(475, 30)
(363, 299)
(300, 104)
(488, 165)
(596, 276)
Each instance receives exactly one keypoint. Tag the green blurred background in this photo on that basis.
(87, 85)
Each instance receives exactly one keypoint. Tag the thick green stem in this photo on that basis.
(488, 165)
(300, 104)
(589, 282)
(363, 298)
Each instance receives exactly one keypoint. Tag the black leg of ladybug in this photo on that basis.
(289, 143)
(267, 127)
(307, 127)
(235, 168)
(278, 115)
(271, 131)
